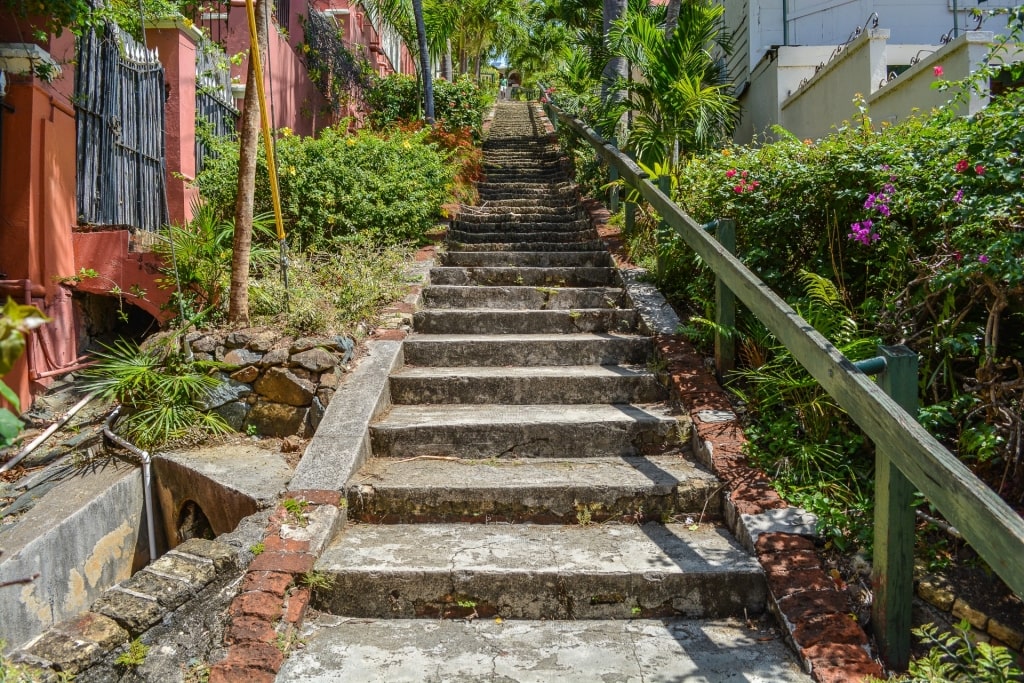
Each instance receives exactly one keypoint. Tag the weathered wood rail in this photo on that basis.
(908, 456)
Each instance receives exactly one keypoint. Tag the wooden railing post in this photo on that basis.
(892, 573)
(665, 185)
(613, 176)
(725, 306)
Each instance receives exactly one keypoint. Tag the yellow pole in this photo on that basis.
(254, 54)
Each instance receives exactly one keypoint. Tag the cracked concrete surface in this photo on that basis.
(539, 652)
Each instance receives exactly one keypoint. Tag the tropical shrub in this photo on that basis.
(396, 99)
(161, 390)
(387, 186)
(197, 256)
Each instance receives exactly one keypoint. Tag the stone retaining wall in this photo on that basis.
(280, 386)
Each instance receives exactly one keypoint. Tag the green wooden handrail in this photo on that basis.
(991, 527)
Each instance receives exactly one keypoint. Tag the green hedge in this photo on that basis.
(388, 187)
(395, 99)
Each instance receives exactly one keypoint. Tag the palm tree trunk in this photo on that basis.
(428, 81)
(672, 17)
(616, 66)
(446, 63)
(238, 300)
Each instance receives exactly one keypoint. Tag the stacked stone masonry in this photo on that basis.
(279, 387)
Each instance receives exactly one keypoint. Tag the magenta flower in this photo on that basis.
(958, 197)
(730, 173)
(983, 259)
(937, 70)
(738, 189)
(979, 169)
(962, 165)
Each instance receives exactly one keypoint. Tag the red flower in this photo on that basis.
(979, 169)
(962, 165)
(937, 70)
(738, 189)
(743, 175)
(730, 173)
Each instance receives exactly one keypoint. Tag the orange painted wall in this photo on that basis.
(37, 212)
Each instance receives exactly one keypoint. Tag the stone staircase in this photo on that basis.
(531, 468)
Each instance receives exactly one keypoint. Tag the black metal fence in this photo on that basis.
(212, 17)
(216, 115)
(283, 14)
(119, 101)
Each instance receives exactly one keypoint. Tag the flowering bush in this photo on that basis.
(921, 227)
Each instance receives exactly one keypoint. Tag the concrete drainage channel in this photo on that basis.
(90, 531)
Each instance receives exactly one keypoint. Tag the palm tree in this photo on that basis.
(428, 83)
(681, 100)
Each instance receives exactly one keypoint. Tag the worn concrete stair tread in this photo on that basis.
(561, 384)
(540, 490)
(520, 321)
(537, 571)
(533, 431)
(634, 651)
(525, 276)
(567, 259)
(517, 297)
(525, 349)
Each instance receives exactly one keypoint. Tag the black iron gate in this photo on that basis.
(216, 115)
(119, 100)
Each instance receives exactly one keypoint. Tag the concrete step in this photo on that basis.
(559, 233)
(527, 259)
(526, 431)
(514, 297)
(446, 350)
(589, 245)
(530, 277)
(492, 321)
(564, 384)
(506, 231)
(527, 216)
(530, 571)
(470, 651)
(592, 490)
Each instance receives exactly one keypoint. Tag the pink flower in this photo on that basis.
(730, 173)
(982, 259)
(962, 165)
(743, 174)
(937, 70)
(958, 197)
(755, 184)
(979, 169)
(738, 189)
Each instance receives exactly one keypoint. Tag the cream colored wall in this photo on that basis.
(827, 99)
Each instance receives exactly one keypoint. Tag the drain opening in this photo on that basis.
(193, 523)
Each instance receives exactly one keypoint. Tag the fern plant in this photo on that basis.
(801, 435)
(954, 657)
(160, 389)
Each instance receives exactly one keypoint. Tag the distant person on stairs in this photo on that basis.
(504, 88)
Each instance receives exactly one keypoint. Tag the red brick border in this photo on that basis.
(265, 616)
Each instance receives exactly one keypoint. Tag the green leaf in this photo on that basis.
(8, 395)
(10, 427)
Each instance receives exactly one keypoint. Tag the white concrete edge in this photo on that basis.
(656, 315)
(342, 443)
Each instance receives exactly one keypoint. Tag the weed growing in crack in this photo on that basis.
(134, 656)
(315, 580)
(296, 510)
